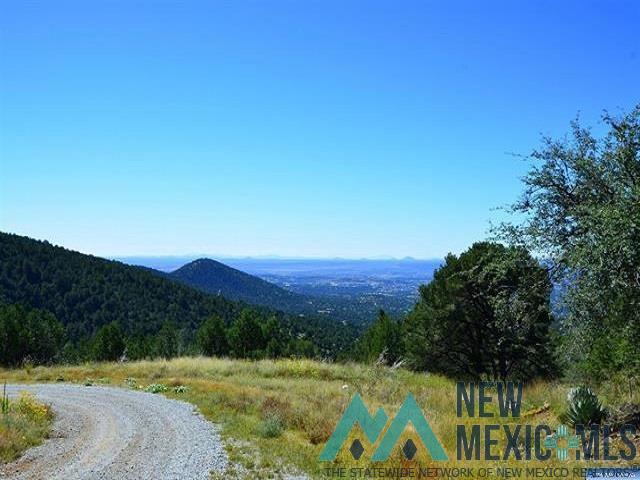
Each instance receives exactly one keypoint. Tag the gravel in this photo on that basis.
(114, 433)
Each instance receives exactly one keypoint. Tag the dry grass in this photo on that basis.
(276, 415)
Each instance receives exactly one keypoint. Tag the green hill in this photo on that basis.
(217, 278)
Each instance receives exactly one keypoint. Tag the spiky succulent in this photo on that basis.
(584, 407)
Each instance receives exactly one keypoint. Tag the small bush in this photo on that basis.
(584, 407)
(180, 389)
(156, 388)
(271, 427)
(131, 382)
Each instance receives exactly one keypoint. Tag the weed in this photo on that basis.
(5, 400)
(24, 423)
(28, 406)
(131, 382)
(271, 427)
(156, 388)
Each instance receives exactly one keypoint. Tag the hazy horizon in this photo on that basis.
(214, 256)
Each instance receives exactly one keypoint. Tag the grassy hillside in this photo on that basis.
(276, 415)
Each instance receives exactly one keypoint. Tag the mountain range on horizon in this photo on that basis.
(255, 265)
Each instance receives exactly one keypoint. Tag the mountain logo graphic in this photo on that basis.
(373, 426)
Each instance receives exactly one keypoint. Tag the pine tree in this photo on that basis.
(246, 338)
(212, 337)
(108, 343)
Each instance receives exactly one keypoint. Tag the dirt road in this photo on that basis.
(113, 433)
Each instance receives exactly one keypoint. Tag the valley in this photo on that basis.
(347, 290)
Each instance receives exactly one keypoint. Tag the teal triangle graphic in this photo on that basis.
(410, 412)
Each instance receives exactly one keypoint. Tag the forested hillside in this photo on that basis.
(86, 293)
(217, 278)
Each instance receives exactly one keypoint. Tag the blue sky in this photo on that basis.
(297, 128)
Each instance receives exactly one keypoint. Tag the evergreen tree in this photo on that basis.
(167, 341)
(382, 338)
(302, 347)
(140, 347)
(12, 336)
(45, 336)
(274, 338)
(212, 337)
(29, 334)
(486, 313)
(246, 339)
(108, 343)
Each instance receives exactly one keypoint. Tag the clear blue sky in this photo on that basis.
(301, 128)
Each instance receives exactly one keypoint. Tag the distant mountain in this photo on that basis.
(347, 290)
(86, 292)
(217, 278)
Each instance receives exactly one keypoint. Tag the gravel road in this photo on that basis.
(114, 433)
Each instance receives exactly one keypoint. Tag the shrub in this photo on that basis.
(584, 407)
(271, 427)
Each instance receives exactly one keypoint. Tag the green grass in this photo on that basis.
(277, 414)
(24, 423)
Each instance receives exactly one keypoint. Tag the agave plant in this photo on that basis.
(584, 407)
